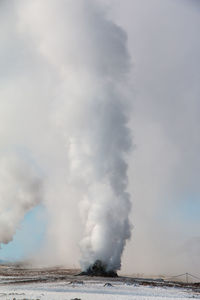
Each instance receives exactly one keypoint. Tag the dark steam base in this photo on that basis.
(99, 269)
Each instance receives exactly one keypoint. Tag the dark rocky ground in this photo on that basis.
(99, 269)
(21, 274)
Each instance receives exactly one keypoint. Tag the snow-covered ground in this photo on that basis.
(91, 290)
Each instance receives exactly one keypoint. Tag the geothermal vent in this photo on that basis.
(99, 269)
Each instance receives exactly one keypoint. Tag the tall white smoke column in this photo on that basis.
(98, 145)
(20, 190)
(99, 161)
(89, 54)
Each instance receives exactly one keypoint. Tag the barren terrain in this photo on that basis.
(22, 282)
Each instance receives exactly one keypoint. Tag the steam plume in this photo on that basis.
(20, 190)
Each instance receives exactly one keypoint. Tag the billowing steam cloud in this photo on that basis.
(20, 190)
(86, 65)
(98, 159)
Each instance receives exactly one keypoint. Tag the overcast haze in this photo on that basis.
(39, 68)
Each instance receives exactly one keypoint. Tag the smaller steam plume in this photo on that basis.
(20, 191)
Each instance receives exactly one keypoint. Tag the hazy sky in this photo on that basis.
(164, 166)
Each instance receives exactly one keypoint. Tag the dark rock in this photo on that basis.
(107, 284)
(76, 282)
(99, 269)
